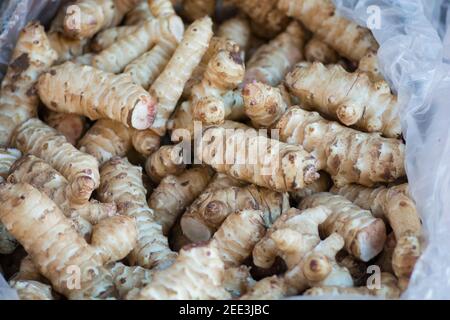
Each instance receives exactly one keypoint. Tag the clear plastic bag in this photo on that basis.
(413, 37)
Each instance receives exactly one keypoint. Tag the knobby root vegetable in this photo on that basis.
(128, 279)
(270, 63)
(196, 9)
(138, 14)
(166, 31)
(177, 239)
(80, 169)
(85, 18)
(270, 288)
(145, 141)
(319, 268)
(42, 176)
(66, 48)
(196, 274)
(351, 98)
(317, 50)
(357, 268)
(349, 156)
(211, 208)
(323, 184)
(175, 193)
(28, 271)
(292, 235)
(115, 97)
(161, 8)
(264, 104)
(32, 290)
(389, 289)
(398, 208)
(245, 155)
(61, 254)
(167, 160)
(108, 37)
(122, 184)
(178, 71)
(346, 37)
(114, 237)
(236, 29)
(237, 281)
(7, 157)
(31, 57)
(364, 234)
(369, 64)
(264, 13)
(237, 236)
(69, 124)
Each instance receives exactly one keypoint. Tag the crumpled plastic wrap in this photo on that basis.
(414, 46)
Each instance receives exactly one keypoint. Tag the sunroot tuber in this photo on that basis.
(292, 235)
(319, 16)
(108, 37)
(196, 9)
(369, 65)
(31, 57)
(175, 193)
(351, 98)
(196, 274)
(70, 125)
(317, 50)
(54, 246)
(237, 281)
(237, 236)
(66, 48)
(122, 184)
(323, 184)
(128, 279)
(270, 63)
(211, 208)
(167, 160)
(138, 14)
(236, 29)
(80, 169)
(271, 288)
(364, 235)
(7, 157)
(32, 290)
(245, 155)
(347, 155)
(396, 206)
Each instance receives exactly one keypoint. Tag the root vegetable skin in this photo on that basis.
(236, 29)
(128, 279)
(270, 63)
(254, 158)
(196, 274)
(161, 8)
(145, 141)
(28, 271)
(32, 290)
(66, 48)
(396, 206)
(165, 161)
(31, 57)
(211, 208)
(138, 14)
(122, 184)
(369, 64)
(237, 236)
(347, 155)
(196, 9)
(115, 97)
(69, 124)
(351, 98)
(293, 234)
(108, 37)
(344, 36)
(178, 71)
(270, 288)
(52, 243)
(237, 281)
(80, 169)
(175, 193)
(317, 50)
(7, 157)
(364, 235)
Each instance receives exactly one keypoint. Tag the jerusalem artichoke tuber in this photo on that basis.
(167, 160)
(270, 288)
(66, 48)
(237, 281)
(236, 29)
(317, 50)
(196, 9)
(369, 64)
(32, 290)
(7, 157)
(80, 169)
(364, 235)
(31, 57)
(70, 125)
(319, 16)
(211, 208)
(351, 98)
(138, 14)
(114, 96)
(128, 279)
(122, 184)
(108, 37)
(347, 155)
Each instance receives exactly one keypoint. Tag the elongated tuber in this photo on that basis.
(319, 16)
(66, 48)
(270, 288)
(128, 279)
(7, 157)
(175, 193)
(145, 141)
(31, 57)
(245, 155)
(293, 234)
(364, 234)
(398, 208)
(211, 208)
(237, 281)
(108, 37)
(70, 125)
(349, 156)
(161, 8)
(115, 96)
(351, 98)
(165, 161)
(196, 9)
(369, 64)
(80, 169)
(237, 236)
(32, 290)
(138, 14)
(178, 71)
(236, 29)
(122, 184)
(62, 256)
(317, 50)
(167, 31)
(323, 184)
(196, 274)
(270, 63)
